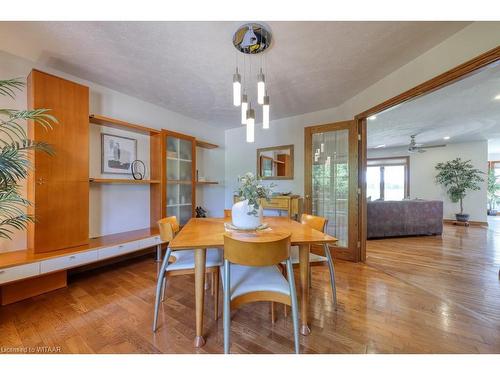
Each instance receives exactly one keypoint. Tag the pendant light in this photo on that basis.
(236, 89)
(250, 124)
(261, 87)
(265, 113)
(244, 107)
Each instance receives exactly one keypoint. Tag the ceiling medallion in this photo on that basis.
(252, 38)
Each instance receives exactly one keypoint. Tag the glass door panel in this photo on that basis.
(331, 181)
(373, 183)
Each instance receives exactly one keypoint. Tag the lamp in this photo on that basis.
(265, 113)
(244, 107)
(236, 89)
(250, 124)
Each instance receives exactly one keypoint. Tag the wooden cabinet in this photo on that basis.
(291, 204)
(179, 153)
(59, 186)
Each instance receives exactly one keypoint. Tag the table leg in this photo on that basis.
(304, 286)
(199, 289)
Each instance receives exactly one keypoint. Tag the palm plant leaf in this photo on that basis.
(9, 86)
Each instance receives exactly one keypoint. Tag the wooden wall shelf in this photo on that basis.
(119, 124)
(122, 181)
(206, 182)
(204, 144)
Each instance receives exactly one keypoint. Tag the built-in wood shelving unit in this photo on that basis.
(204, 144)
(119, 124)
(122, 181)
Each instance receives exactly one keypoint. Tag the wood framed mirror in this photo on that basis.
(275, 163)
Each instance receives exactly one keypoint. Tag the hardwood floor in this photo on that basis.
(413, 295)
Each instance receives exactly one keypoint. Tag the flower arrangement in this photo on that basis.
(251, 189)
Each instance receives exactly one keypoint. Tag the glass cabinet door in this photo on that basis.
(180, 182)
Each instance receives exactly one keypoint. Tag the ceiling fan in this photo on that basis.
(419, 147)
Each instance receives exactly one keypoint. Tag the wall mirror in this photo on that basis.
(275, 163)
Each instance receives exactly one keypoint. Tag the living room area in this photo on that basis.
(432, 191)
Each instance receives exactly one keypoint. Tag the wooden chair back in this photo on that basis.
(315, 222)
(228, 213)
(258, 251)
(169, 226)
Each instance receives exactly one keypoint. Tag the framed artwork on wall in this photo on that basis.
(117, 153)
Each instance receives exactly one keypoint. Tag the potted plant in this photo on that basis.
(247, 213)
(14, 160)
(493, 188)
(458, 177)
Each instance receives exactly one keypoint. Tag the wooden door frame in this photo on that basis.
(459, 72)
(353, 252)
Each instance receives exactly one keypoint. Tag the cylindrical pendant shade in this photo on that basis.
(265, 113)
(261, 87)
(236, 89)
(244, 107)
(250, 125)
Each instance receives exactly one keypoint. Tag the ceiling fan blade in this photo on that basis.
(435, 146)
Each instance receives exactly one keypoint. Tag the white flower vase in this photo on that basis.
(241, 218)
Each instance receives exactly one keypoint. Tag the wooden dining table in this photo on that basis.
(202, 233)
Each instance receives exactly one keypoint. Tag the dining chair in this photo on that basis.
(319, 223)
(250, 274)
(181, 262)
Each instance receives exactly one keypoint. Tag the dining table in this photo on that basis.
(203, 233)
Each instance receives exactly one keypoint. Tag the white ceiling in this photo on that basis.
(187, 67)
(464, 111)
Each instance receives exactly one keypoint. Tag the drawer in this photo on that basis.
(19, 272)
(68, 261)
(276, 203)
(149, 242)
(114, 251)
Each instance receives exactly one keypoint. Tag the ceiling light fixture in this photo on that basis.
(250, 124)
(446, 138)
(371, 118)
(244, 107)
(497, 97)
(236, 89)
(380, 146)
(251, 39)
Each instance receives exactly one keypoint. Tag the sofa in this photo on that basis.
(404, 218)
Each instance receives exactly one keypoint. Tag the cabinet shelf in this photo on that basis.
(122, 181)
(203, 144)
(119, 124)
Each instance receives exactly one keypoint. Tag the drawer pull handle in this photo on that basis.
(72, 257)
(2, 271)
(121, 246)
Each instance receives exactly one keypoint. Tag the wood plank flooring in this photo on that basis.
(413, 295)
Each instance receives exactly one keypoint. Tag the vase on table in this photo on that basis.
(243, 217)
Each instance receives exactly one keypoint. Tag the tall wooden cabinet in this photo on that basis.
(59, 186)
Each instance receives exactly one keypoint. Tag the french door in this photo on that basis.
(331, 182)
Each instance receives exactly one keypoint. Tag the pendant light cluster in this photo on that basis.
(251, 39)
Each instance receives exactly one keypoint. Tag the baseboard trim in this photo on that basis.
(471, 223)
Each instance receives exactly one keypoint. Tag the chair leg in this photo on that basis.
(212, 291)
(216, 297)
(227, 307)
(159, 285)
(332, 275)
(273, 316)
(285, 307)
(163, 287)
(295, 308)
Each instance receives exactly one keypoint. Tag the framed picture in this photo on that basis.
(117, 153)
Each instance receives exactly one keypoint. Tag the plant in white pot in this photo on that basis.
(458, 177)
(247, 213)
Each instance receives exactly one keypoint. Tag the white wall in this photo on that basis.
(117, 208)
(422, 175)
(468, 43)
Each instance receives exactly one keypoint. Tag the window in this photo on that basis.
(388, 178)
